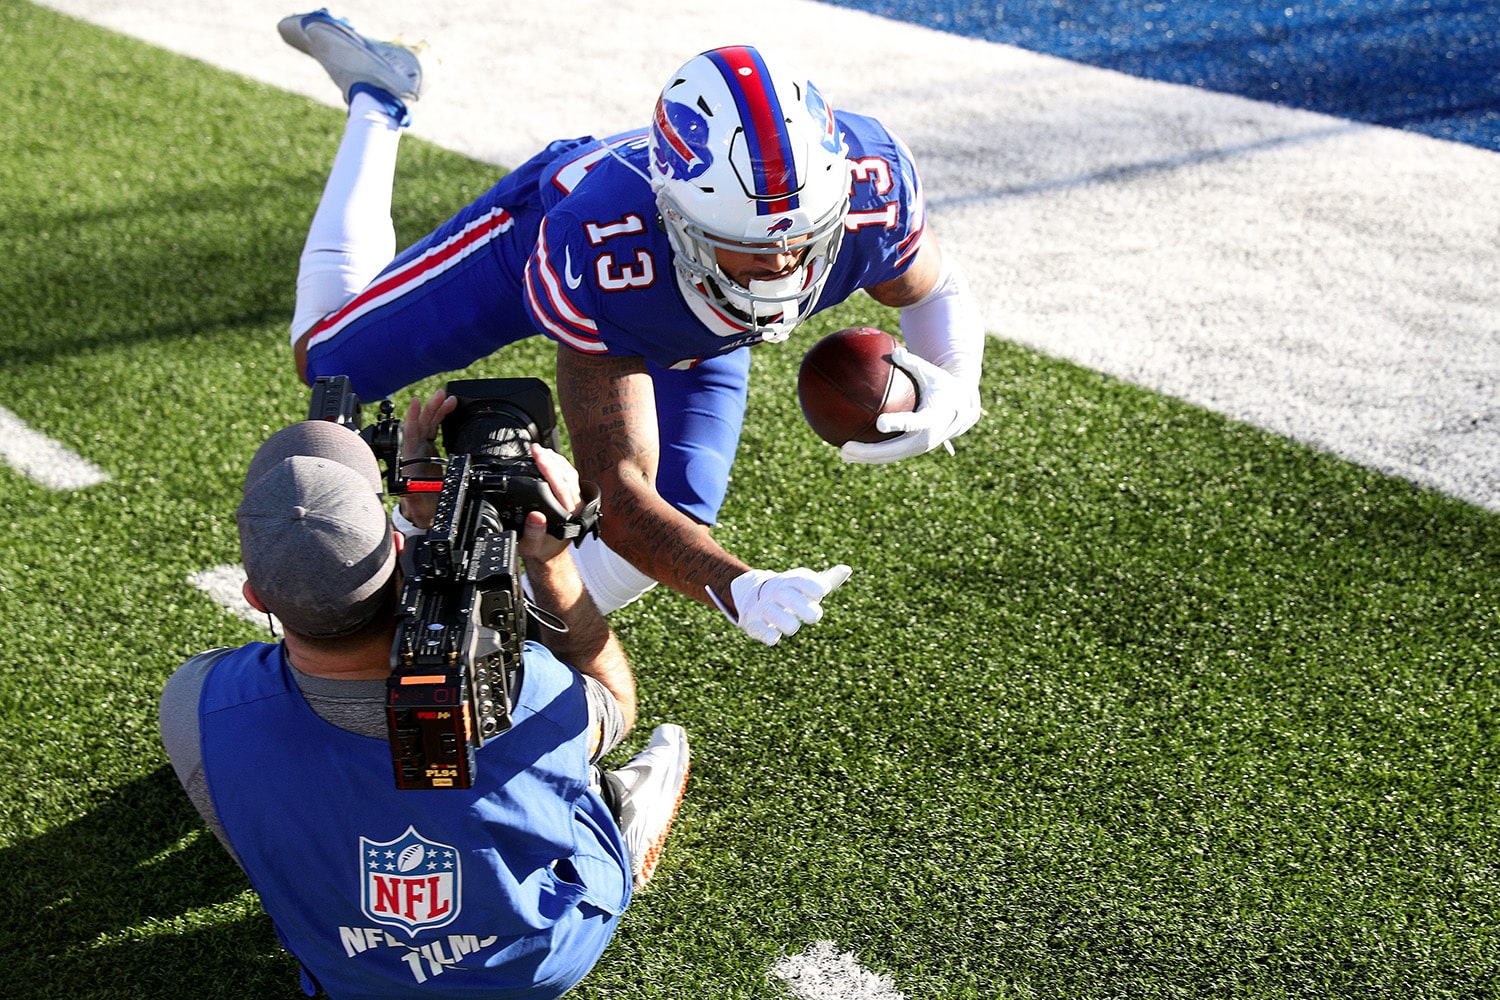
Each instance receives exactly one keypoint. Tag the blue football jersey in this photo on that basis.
(601, 281)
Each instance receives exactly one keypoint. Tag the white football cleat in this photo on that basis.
(650, 791)
(351, 59)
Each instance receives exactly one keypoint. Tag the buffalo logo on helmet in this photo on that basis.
(822, 112)
(681, 136)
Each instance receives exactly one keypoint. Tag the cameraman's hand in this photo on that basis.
(419, 440)
(536, 544)
(772, 605)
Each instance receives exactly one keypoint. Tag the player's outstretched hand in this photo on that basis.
(947, 406)
(772, 605)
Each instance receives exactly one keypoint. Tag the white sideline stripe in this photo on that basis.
(40, 458)
(222, 585)
(822, 972)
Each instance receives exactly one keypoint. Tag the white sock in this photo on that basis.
(351, 236)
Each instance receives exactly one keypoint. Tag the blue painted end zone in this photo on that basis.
(1430, 66)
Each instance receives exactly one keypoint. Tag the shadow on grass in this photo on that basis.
(101, 907)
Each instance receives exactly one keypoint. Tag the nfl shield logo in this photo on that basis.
(411, 882)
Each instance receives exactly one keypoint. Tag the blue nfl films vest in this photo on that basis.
(512, 888)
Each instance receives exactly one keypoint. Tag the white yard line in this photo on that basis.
(222, 585)
(42, 459)
(822, 972)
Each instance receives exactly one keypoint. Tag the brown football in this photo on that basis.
(847, 380)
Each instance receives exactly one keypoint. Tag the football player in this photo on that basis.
(654, 259)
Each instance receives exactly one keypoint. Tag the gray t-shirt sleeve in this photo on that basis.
(177, 713)
(606, 719)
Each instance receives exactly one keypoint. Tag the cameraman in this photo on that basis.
(510, 888)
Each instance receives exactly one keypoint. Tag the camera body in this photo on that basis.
(462, 616)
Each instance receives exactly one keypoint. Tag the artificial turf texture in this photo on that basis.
(1124, 700)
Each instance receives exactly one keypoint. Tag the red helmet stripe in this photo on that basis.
(765, 127)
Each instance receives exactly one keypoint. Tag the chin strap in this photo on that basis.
(726, 317)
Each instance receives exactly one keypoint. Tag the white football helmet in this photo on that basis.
(748, 158)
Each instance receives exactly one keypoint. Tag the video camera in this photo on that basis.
(463, 614)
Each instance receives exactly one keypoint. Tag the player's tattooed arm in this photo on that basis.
(609, 407)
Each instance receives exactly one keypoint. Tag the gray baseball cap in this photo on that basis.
(315, 537)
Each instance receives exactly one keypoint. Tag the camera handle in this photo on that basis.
(534, 494)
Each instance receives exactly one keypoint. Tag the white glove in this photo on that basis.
(946, 407)
(772, 605)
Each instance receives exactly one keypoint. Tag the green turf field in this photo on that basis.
(1125, 700)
